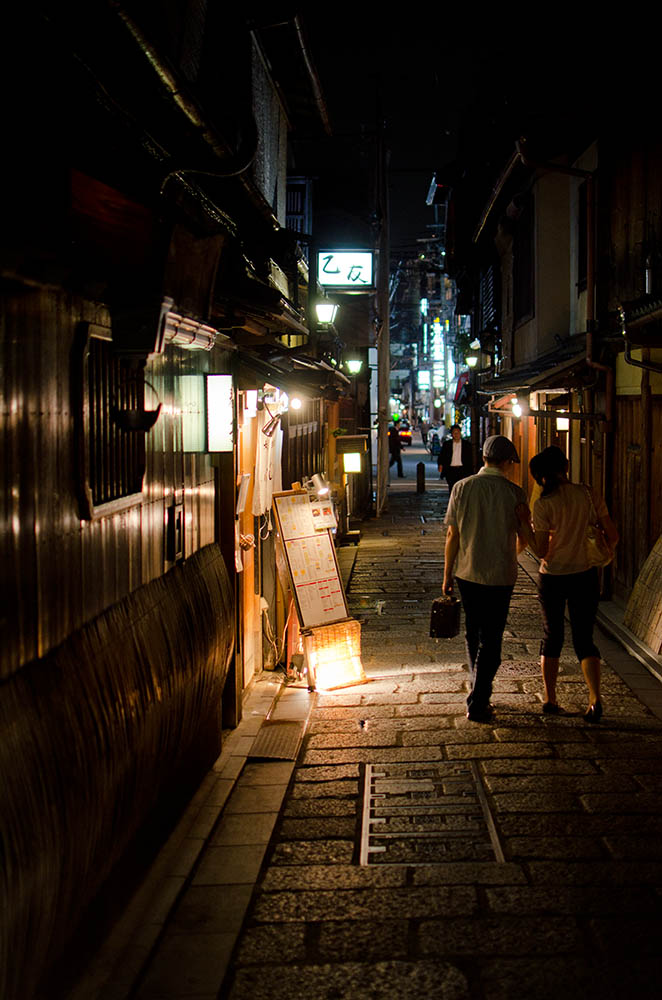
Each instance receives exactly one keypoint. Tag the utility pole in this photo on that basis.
(383, 337)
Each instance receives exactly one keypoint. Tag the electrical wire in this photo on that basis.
(268, 631)
(266, 528)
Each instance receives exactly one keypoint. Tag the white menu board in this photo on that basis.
(311, 561)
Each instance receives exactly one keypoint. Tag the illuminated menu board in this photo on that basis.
(311, 561)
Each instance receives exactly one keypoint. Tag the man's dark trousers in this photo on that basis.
(485, 616)
(454, 474)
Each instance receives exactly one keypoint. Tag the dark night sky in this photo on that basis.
(443, 88)
(391, 71)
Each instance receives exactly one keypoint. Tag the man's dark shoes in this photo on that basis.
(551, 708)
(480, 714)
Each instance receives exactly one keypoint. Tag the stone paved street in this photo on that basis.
(407, 852)
(573, 908)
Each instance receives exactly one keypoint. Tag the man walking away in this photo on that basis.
(485, 535)
(395, 449)
(455, 460)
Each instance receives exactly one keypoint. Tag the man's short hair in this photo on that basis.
(499, 448)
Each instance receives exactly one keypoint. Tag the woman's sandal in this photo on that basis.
(594, 713)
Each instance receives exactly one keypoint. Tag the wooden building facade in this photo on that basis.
(575, 358)
(144, 252)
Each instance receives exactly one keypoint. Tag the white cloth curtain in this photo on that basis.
(278, 461)
(268, 475)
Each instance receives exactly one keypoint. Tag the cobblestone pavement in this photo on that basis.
(573, 908)
(522, 858)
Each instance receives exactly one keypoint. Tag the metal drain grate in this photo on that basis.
(426, 814)
(279, 740)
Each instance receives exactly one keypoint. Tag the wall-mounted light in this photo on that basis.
(295, 403)
(562, 423)
(517, 409)
(471, 360)
(219, 413)
(326, 311)
(271, 426)
(317, 484)
(354, 366)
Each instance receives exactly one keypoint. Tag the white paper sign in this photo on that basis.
(311, 559)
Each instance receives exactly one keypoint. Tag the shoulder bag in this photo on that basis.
(598, 548)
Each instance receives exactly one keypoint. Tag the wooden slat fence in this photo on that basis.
(92, 737)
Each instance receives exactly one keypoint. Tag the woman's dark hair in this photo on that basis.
(548, 468)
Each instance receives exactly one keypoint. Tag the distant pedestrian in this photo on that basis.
(560, 519)
(487, 527)
(424, 427)
(455, 460)
(395, 449)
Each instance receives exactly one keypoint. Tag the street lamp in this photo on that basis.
(326, 311)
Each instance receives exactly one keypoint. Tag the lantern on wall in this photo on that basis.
(220, 436)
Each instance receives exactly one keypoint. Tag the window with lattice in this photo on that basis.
(111, 458)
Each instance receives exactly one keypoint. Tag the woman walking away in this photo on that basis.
(561, 517)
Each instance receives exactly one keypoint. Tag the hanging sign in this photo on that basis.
(346, 269)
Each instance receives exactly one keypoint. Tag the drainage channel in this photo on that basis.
(426, 814)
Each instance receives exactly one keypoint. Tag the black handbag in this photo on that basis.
(445, 618)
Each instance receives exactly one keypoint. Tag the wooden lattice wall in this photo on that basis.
(93, 737)
(644, 611)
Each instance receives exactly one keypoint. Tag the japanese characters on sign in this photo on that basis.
(348, 269)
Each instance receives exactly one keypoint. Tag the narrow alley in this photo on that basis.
(259, 264)
(520, 858)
